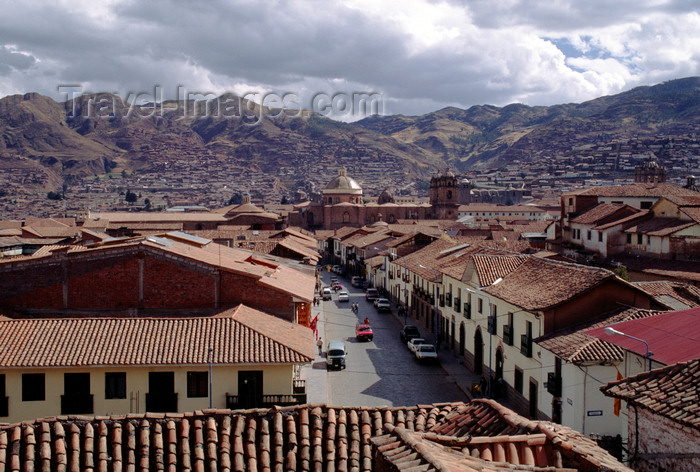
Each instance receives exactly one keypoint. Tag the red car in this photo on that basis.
(363, 332)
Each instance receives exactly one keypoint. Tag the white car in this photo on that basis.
(426, 353)
(343, 296)
(414, 343)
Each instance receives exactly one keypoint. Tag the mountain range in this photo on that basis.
(101, 133)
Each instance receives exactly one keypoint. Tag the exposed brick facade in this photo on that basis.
(135, 280)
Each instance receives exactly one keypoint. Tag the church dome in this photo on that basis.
(343, 184)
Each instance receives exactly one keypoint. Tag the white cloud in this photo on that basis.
(419, 54)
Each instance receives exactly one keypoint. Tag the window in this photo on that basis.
(197, 384)
(493, 324)
(640, 239)
(645, 205)
(589, 234)
(629, 238)
(33, 388)
(600, 236)
(648, 239)
(518, 380)
(4, 410)
(480, 306)
(115, 385)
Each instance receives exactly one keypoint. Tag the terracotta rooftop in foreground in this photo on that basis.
(478, 436)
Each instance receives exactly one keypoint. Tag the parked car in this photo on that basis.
(335, 355)
(363, 332)
(341, 270)
(409, 332)
(343, 296)
(382, 304)
(371, 294)
(413, 343)
(326, 293)
(335, 268)
(334, 280)
(426, 353)
(356, 281)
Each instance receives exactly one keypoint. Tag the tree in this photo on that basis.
(54, 196)
(236, 199)
(621, 272)
(130, 197)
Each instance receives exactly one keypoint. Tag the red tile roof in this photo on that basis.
(672, 392)
(671, 336)
(491, 267)
(659, 226)
(539, 283)
(604, 213)
(675, 295)
(662, 189)
(303, 438)
(239, 336)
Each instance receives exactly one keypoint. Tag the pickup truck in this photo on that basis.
(426, 353)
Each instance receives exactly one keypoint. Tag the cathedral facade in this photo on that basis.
(342, 204)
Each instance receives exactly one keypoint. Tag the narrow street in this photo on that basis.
(381, 372)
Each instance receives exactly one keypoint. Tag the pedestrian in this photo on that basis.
(366, 320)
(319, 343)
(482, 385)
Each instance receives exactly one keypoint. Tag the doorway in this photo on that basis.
(478, 353)
(461, 339)
(161, 396)
(533, 399)
(250, 383)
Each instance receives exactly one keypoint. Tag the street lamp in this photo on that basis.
(437, 293)
(211, 380)
(491, 321)
(610, 331)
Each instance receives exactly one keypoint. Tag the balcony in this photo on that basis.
(76, 404)
(442, 300)
(161, 402)
(458, 304)
(553, 384)
(526, 345)
(448, 299)
(508, 334)
(235, 402)
(4, 408)
(467, 310)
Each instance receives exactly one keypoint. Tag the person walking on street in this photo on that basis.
(319, 343)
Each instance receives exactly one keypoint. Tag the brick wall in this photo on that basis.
(170, 285)
(109, 280)
(663, 443)
(237, 289)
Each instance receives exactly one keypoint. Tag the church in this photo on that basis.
(342, 204)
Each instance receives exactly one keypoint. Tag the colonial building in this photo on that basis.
(241, 358)
(342, 204)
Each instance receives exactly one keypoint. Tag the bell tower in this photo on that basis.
(444, 196)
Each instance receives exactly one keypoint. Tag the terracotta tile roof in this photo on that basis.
(674, 295)
(574, 345)
(692, 213)
(304, 438)
(127, 217)
(659, 226)
(668, 335)
(684, 200)
(604, 213)
(672, 392)
(662, 189)
(239, 336)
(641, 214)
(490, 268)
(541, 283)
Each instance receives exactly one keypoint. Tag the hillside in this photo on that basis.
(46, 145)
(487, 136)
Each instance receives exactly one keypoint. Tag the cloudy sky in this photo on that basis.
(416, 55)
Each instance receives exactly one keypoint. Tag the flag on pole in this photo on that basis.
(314, 325)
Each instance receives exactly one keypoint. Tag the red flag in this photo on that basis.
(617, 404)
(313, 324)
